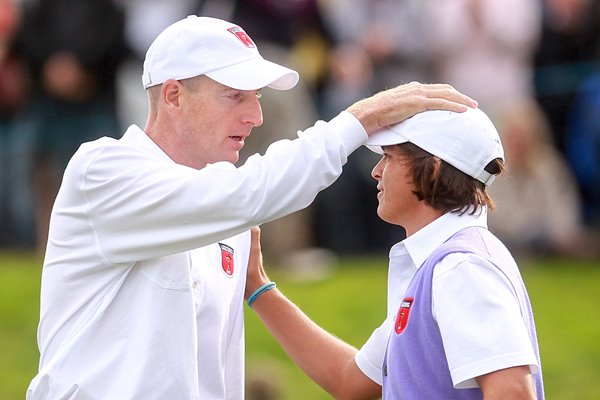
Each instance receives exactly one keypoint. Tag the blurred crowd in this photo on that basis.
(70, 71)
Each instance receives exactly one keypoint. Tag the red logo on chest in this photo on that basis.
(402, 316)
(242, 36)
(227, 259)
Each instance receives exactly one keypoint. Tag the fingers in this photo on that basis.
(255, 259)
(445, 97)
(255, 239)
(436, 96)
(402, 102)
(256, 275)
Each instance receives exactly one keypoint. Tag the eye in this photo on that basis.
(258, 94)
(235, 95)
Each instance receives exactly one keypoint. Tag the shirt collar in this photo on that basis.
(136, 136)
(422, 243)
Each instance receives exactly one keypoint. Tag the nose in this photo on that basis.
(376, 172)
(255, 115)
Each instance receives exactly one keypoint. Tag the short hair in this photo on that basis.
(446, 188)
(154, 93)
(192, 84)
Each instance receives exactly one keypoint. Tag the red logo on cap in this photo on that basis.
(242, 36)
(226, 259)
(402, 316)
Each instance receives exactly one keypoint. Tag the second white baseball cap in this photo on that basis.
(216, 48)
(468, 140)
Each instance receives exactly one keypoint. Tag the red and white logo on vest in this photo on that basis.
(227, 259)
(242, 36)
(403, 313)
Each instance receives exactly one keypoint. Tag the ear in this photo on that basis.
(437, 165)
(171, 93)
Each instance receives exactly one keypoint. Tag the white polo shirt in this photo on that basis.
(144, 274)
(478, 285)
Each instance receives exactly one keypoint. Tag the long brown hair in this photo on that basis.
(444, 187)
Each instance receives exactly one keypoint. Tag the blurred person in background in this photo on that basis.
(73, 49)
(16, 190)
(567, 67)
(144, 20)
(567, 53)
(485, 47)
(583, 147)
(539, 207)
(375, 43)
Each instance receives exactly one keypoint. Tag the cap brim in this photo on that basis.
(256, 74)
(384, 137)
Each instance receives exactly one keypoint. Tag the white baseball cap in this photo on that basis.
(467, 140)
(216, 48)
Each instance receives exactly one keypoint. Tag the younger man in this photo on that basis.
(459, 323)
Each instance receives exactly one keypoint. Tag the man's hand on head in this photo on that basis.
(397, 104)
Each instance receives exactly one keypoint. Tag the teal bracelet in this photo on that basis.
(259, 291)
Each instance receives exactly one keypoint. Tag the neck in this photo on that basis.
(421, 217)
(169, 144)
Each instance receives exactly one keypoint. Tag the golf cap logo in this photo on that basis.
(227, 259)
(402, 316)
(242, 36)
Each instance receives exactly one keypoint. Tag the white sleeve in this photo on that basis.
(370, 357)
(145, 208)
(479, 318)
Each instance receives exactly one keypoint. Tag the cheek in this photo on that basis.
(397, 192)
(393, 180)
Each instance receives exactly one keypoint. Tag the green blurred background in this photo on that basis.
(565, 296)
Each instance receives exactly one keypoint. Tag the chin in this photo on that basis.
(381, 214)
(386, 217)
(231, 158)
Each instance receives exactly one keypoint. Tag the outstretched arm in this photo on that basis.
(326, 359)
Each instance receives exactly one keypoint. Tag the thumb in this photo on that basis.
(255, 239)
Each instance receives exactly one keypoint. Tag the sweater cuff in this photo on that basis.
(351, 131)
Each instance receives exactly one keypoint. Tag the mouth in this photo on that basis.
(238, 141)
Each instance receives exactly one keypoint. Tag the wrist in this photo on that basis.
(260, 291)
(364, 115)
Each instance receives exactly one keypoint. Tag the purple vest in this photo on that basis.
(415, 365)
